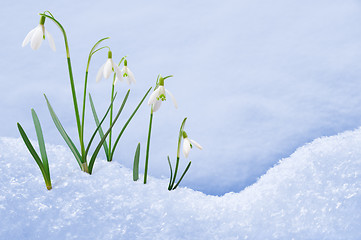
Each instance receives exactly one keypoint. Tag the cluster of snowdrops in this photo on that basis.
(84, 155)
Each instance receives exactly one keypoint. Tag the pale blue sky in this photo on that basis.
(256, 79)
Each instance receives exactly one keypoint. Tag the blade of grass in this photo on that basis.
(96, 151)
(39, 134)
(171, 175)
(184, 173)
(100, 130)
(98, 127)
(65, 136)
(136, 163)
(31, 150)
(126, 124)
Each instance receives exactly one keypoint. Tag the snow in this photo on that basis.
(257, 79)
(313, 194)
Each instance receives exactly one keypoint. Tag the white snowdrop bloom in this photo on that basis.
(127, 73)
(107, 68)
(37, 35)
(188, 144)
(159, 95)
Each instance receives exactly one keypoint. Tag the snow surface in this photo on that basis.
(313, 194)
(256, 78)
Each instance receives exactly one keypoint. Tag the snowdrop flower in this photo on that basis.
(107, 68)
(37, 35)
(187, 144)
(159, 95)
(127, 73)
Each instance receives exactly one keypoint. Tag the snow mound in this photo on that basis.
(313, 194)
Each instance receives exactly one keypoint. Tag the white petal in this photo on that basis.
(100, 73)
(157, 105)
(107, 68)
(116, 80)
(173, 99)
(186, 147)
(161, 91)
(28, 37)
(153, 97)
(196, 144)
(124, 69)
(117, 71)
(131, 76)
(50, 40)
(37, 38)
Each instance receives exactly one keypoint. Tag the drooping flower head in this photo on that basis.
(159, 95)
(107, 68)
(129, 76)
(37, 35)
(188, 144)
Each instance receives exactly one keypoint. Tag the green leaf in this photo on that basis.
(136, 163)
(100, 130)
(65, 136)
(184, 173)
(126, 124)
(99, 127)
(171, 175)
(39, 134)
(32, 150)
(96, 151)
(96, 44)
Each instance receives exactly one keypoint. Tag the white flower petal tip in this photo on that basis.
(36, 37)
(100, 73)
(28, 37)
(196, 144)
(173, 98)
(50, 40)
(157, 105)
(128, 75)
(187, 146)
(107, 68)
(153, 97)
(160, 95)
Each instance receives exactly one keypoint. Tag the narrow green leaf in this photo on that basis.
(39, 134)
(136, 163)
(32, 150)
(171, 175)
(184, 173)
(96, 44)
(65, 136)
(126, 124)
(95, 154)
(98, 127)
(100, 130)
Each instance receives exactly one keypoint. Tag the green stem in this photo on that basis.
(148, 143)
(184, 173)
(178, 150)
(111, 120)
(84, 100)
(175, 172)
(76, 109)
(72, 88)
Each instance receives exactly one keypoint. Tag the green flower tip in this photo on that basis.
(184, 134)
(161, 81)
(110, 54)
(125, 63)
(42, 20)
